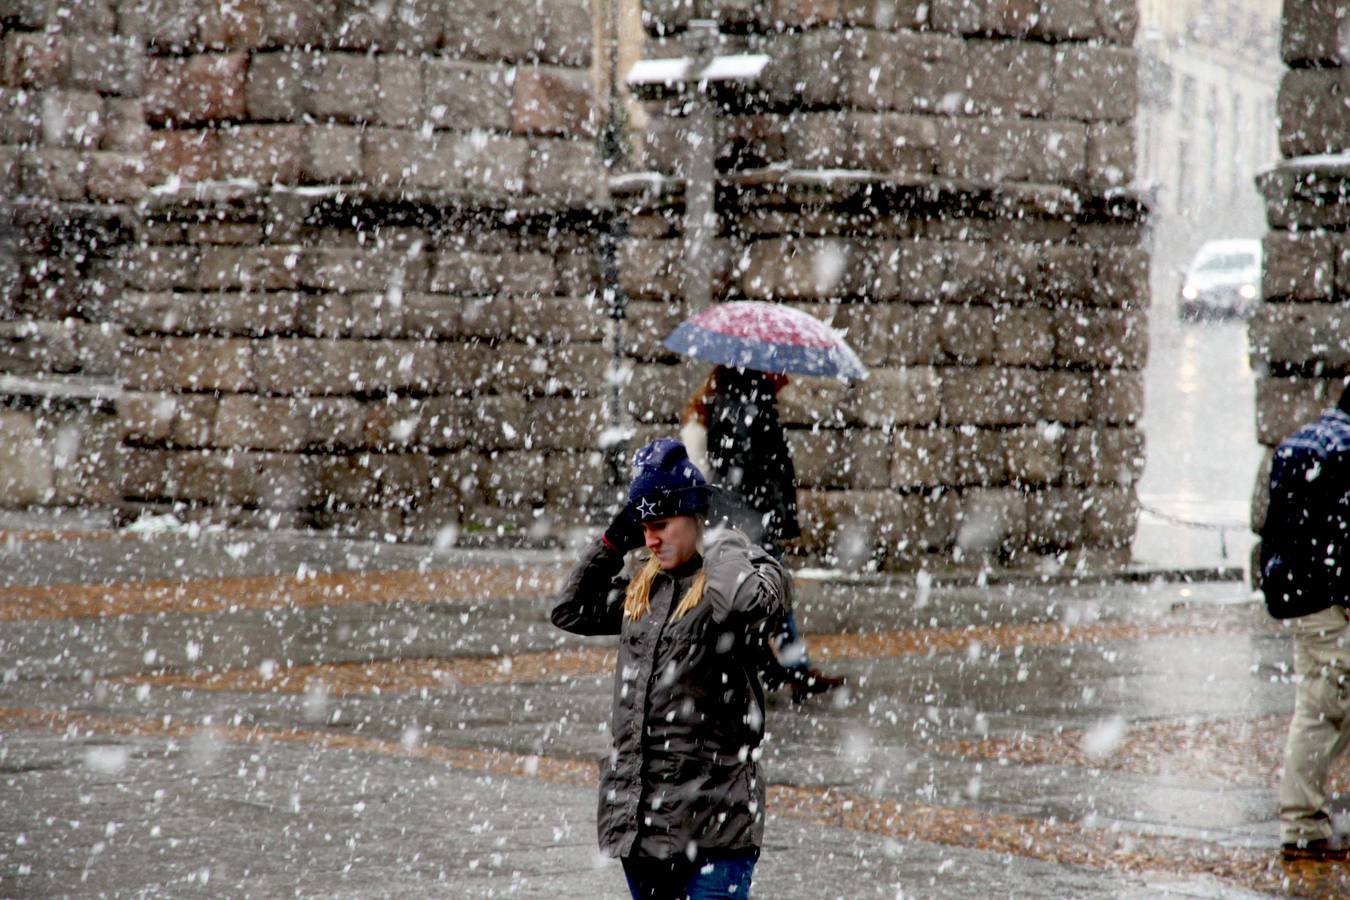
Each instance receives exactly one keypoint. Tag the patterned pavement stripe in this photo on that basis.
(1063, 843)
(391, 676)
(13, 536)
(1240, 751)
(407, 675)
(1005, 636)
(211, 595)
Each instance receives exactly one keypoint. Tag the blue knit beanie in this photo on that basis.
(666, 483)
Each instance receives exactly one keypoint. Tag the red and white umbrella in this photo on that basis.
(769, 337)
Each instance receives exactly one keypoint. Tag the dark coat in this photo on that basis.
(1305, 541)
(750, 460)
(688, 706)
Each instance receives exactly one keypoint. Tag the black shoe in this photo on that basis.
(806, 682)
(1320, 850)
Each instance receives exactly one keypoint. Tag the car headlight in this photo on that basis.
(1189, 292)
(1248, 291)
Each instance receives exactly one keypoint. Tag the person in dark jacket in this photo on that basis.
(681, 798)
(733, 422)
(1305, 576)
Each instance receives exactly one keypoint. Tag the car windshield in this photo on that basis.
(1227, 262)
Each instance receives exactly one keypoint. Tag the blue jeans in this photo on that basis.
(724, 878)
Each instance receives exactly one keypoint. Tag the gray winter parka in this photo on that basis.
(688, 709)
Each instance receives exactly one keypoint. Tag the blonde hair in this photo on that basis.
(637, 601)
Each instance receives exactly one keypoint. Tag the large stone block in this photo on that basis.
(360, 269)
(1035, 456)
(658, 394)
(197, 364)
(268, 154)
(922, 457)
(74, 119)
(1117, 396)
(107, 63)
(34, 59)
(248, 421)
(985, 395)
(574, 480)
(300, 366)
(1110, 154)
(516, 478)
(223, 267)
(859, 460)
(1054, 519)
(1283, 404)
(196, 89)
(552, 101)
(344, 87)
(556, 423)
(919, 267)
(1066, 397)
(191, 155)
(1298, 265)
(915, 341)
(565, 171)
(989, 519)
(1013, 18)
(998, 150)
(979, 457)
(501, 166)
(966, 333)
(1122, 277)
(27, 476)
(467, 95)
(909, 396)
(1095, 83)
(151, 267)
(1312, 111)
(1000, 78)
(1110, 515)
(1103, 456)
(1023, 336)
(1302, 334)
(1101, 338)
(277, 84)
(53, 173)
(558, 320)
(1312, 33)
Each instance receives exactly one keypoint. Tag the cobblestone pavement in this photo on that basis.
(232, 714)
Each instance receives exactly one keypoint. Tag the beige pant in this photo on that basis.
(1319, 733)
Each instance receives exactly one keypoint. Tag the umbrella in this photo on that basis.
(753, 334)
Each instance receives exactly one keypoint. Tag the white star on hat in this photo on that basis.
(645, 507)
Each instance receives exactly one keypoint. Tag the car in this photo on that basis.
(1222, 281)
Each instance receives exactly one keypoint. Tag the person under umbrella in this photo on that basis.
(732, 426)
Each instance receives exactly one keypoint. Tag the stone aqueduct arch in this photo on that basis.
(334, 264)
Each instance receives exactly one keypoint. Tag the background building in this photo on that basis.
(1208, 75)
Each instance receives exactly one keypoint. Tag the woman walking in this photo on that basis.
(681, 799)
(732, 428)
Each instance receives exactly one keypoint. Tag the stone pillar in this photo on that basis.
(1300, 334)
(71, 139)
(948, 183)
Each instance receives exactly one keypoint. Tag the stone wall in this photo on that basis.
(335, 261)
(1300, 335)
(947, 183)
(348, 281)
(71, 143)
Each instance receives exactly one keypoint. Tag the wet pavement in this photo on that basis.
(280, 715)
(1199, 425)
